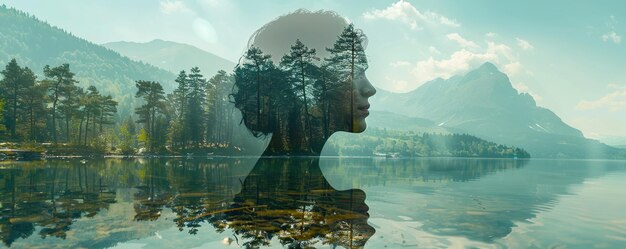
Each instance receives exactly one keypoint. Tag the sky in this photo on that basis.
(569, 55)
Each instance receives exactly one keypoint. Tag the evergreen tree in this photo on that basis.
(298, 64)
(35, 108)
(13, 86)
(217, 115)
(128, 137)
(347, 60)
(154, 104)
(252, 77)
(197, 98)
(180, 95)
(2, 127)
(69, 106)
(59, 80)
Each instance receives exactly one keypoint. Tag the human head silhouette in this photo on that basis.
(301, 79)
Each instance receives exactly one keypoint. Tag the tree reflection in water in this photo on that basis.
(290, 199)
(277, 200)
(51, 198)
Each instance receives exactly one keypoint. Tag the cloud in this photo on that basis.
(523, 88)
(400, 63)
(614, 101)
(525, 45)
(491, 35)
(512, 68)
(171, 7)
(461, 41)
(204, 30)
(461, 62)
(397, 85)
(433, 50)
(406, 13)
(612, 36)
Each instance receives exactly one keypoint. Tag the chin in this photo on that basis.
(359, 126)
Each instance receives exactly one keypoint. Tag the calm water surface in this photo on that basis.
(303, 202)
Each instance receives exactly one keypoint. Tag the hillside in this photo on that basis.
(36, 44)
(172, 56)
(484, 103)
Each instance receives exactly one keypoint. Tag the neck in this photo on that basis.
(279, 146)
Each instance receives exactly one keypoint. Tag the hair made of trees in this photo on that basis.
(295, 96)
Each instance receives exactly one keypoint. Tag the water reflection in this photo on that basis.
(49, 198)
(285, 202)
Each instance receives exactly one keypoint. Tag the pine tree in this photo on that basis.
(197, 98)
(298, 64)
(35, 108)
(154, 104)
(347, 59)
(59, 79)
(2, 127)
(181, 97)
(13, 86)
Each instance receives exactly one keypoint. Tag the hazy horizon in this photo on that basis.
(566, 55)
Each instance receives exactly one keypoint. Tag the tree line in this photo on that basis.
(53, 109)
(411, 144)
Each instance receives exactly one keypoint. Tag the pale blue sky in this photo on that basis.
(570, 55)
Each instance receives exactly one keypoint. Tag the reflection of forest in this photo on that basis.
(48, 197)
(286, 201)
(374, 171)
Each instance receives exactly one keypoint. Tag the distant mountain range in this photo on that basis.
(481, 103)
(35, 44)
(172, 56)
(484, 103)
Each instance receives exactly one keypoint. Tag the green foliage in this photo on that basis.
(150, 113)
(37, 44)
(13, 87)
(2, 127)
(409, 144)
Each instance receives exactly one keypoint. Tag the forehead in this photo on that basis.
(317, 30)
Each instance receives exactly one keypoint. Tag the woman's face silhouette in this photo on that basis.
(362, 90)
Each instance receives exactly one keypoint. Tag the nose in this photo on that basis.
(368, 89)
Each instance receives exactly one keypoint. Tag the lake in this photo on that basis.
(309, 202)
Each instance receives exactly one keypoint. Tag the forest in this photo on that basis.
(300, 101)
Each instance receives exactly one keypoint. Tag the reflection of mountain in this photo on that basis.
(172, 56)
(477, 199)
(483, 103)
(102, 203)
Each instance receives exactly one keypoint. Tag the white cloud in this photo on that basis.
(406, 13)
(171, 7)
(614, 101)
(513, 68)
(612, 36)
(523, 88)
(433, 50)
(523, 44)
(461, 62)
(397, 85)
(400, 63)
(461, 41)
(204, 30)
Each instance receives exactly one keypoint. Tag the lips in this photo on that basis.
(364, 110)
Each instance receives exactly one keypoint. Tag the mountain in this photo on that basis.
(172, 56)
(484, 103)
(35, 44)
